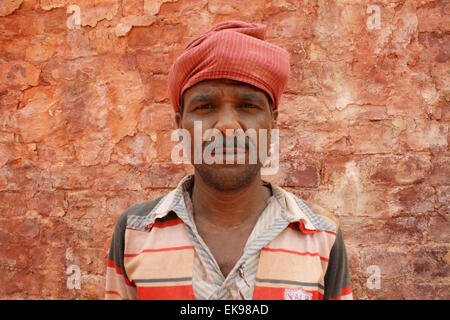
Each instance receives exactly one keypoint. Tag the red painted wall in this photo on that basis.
(85, 125)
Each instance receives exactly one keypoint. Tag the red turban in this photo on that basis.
(233, 50)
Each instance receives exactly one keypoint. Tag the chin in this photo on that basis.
(228, 177)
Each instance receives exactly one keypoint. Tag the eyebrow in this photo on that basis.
(201, 98)
(208, 97)
(251, 97)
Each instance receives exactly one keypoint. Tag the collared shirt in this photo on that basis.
(207, 279)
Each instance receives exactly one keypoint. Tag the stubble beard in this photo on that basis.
(228, 178)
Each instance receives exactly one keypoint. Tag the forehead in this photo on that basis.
(212, 86)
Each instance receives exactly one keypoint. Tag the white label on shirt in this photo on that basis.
(296, 294)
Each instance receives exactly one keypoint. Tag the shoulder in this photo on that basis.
(315, 216)
(322, 211)
(138, 210)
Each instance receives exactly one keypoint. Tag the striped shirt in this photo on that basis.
(208, 281)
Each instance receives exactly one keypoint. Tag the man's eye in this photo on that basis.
(248, 106)
(204, 107)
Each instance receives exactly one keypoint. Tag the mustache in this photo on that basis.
(239, 142)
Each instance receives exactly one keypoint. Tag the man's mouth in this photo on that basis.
(229, 156)
(229, 151)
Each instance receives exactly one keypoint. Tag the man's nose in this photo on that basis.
(227, 120)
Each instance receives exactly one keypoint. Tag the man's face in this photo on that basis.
(227, 105)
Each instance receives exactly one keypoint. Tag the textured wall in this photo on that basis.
(85, 127)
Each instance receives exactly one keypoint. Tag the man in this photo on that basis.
(224, 233)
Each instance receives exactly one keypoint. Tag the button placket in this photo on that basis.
(243, 276)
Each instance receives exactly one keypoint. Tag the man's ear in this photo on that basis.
(178, 119)
(274, 119)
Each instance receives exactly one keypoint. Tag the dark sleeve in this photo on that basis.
(118, 286)
(116, 248)
(337, 277)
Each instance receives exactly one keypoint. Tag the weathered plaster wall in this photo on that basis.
(85, 127)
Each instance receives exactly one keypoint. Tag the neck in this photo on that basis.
(229, 209)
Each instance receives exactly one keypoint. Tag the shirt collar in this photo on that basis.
(292, 211)
(296, 211)
(170, 202)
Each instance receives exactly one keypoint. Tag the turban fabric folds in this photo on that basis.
(233, 50)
